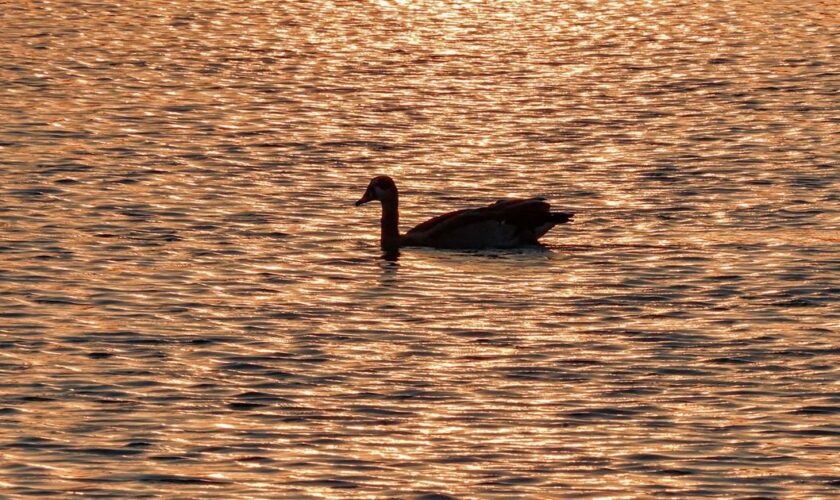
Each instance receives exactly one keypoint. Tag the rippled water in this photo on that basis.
(190, 304)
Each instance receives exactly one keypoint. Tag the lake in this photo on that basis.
(191, 306)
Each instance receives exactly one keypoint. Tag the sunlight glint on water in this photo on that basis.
(190, 304)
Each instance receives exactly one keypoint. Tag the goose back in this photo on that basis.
(506, 223)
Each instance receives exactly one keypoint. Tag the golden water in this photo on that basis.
(191, 306)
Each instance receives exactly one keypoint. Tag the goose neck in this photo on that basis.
(390, 224)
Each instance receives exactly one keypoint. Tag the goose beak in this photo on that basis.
(368, 196)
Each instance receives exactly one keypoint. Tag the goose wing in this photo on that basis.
(515, 211)
(444, 220)
(505, 223)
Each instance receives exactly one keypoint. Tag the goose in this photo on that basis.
(506, 223)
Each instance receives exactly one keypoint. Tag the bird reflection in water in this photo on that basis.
(389, 267)
(391, 256)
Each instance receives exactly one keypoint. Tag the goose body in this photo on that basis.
(504, 224)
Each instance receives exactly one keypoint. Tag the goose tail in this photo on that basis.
(561, 217)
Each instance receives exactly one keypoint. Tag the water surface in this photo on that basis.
(191, 306)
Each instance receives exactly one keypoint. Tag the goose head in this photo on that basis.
(381, 188)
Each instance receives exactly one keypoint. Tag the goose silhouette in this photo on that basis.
(507, 223)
